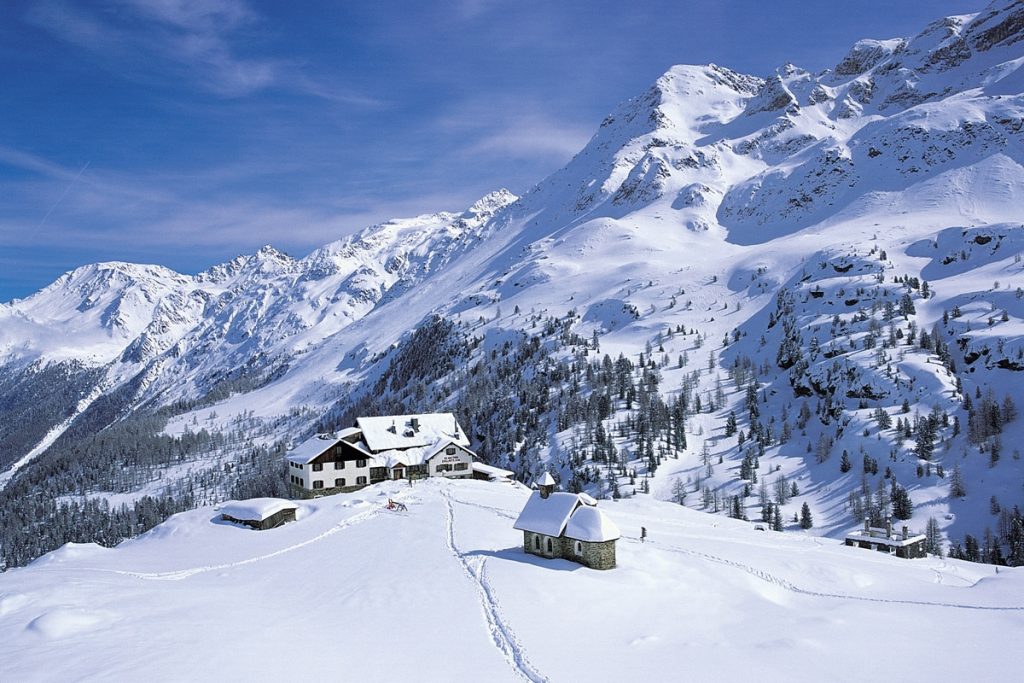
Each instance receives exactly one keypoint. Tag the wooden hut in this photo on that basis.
(259, 513)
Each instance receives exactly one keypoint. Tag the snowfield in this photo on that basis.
(444, 592)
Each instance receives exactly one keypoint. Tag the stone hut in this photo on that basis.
(259, 513)
(882, 539)
(567, 526)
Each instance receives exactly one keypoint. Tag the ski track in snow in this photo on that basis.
(778, 580)
(504, 638)
(179, 574)
(790, 586)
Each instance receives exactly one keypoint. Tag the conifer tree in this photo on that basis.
(806, 521)
(956, 483)
(933, 537)
(844, 462)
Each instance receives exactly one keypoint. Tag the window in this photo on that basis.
(549, 546)
(361, 481)
(579, 548)
(450, 450)
(361, 463)
(318, 467)
(339, 464)
(536, 542)
(318, 484)
(461, 466)
(339, 483)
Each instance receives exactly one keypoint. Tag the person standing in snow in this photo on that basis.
(643, 534)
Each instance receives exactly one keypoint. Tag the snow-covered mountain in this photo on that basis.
(772, 228)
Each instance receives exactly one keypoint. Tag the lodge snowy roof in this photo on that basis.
(256, 509)
(397, 432)
(306, 451)
(349, 431)
(588, 523)
(550, 515)
(414, 456)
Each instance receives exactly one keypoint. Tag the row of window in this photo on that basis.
(338, 465)
(577, 546)
(295, 480)
(448, 467)
(340, 483)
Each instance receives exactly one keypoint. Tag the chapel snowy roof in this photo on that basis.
(306, 451)
(588, 523)
(546, 480)
(549, 515)
(256, 509)
(410, 431)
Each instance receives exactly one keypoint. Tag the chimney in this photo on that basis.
(906, 532)
(888, 527)
(867, 527)
(392, 428)
(414, 422)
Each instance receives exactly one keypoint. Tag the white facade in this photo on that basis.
(452, 460)
(432, 445)
(329, 475)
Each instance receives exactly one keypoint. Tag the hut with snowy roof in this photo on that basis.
(567, 526)
(259, 513)
(906, 545)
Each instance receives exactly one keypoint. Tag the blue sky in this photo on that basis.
(185, 132)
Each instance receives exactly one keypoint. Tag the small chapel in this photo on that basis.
(557, 524)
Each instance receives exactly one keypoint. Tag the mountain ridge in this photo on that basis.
(705, 207)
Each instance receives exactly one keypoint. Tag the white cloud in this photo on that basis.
(157, 217)
(193, 40)
(513, 129)
(534, 137)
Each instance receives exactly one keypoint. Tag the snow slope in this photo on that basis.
(445, 592)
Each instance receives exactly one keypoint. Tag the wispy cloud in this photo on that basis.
(116, 187)
(533, 137)
(121, 215)
(191, 40)
(510, 129)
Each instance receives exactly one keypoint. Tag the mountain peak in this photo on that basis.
(490, 203)
(684, 79)
(268, 251)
